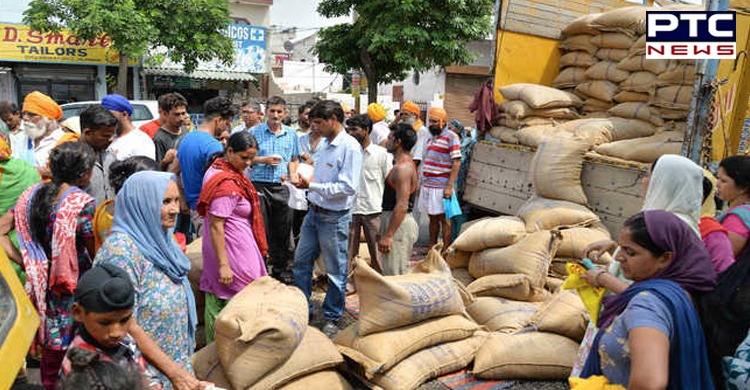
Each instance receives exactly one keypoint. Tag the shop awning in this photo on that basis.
(200, 74)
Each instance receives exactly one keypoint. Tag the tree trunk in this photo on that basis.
(122, 76)
(369, 69)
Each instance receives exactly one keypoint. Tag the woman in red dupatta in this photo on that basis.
(235, 242)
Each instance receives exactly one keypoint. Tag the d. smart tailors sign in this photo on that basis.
(21, 44)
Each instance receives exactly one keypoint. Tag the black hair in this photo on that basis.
(69, 162)
(305, 105)
(96, 117)
(119, 171)
(239, 142)
(636, 224)
(219, 107)
(362, 121)
(255, 106)
(326, 109)
(653, 165)
(707, 187)
(168, 101)
(89, 371)
(738, 168)
(406, 134)
(276, 101)
(286, 121)
(8, 107)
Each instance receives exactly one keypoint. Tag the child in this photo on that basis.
(714, 235)
(103, 305)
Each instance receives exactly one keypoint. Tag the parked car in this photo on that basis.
(144, 111)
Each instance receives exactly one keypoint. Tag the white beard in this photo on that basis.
(33, 130)
(410, 120)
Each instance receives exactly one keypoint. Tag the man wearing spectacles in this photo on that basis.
(249, 117)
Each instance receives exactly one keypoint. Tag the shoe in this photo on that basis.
(330, 329)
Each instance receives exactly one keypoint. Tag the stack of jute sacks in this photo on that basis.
(511, 265)
(263, 341)
(532, 106)
(195, 254)
(411, 327)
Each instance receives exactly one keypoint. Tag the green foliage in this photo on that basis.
(192, 30)
(392, 37)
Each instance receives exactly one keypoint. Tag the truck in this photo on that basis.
(528, 34)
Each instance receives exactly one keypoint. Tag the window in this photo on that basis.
(141, 113)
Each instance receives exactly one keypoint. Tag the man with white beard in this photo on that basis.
(40, 115)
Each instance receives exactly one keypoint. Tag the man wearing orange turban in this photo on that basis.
(40, 116)
(380, 129)
(410, 115)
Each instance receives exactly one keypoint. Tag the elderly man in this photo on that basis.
(440, 167)
(40, 115)
(130, 141)
(380, 129)
(249, 115)
(410, 115)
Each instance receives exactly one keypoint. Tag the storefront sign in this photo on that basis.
(19, 43)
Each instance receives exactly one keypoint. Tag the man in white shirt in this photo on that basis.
(130, 141)
(19, 141)
(250, 116)
(369, 199)
(40, 115)
(380, 129)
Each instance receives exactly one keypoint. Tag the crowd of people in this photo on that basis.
(96, 219)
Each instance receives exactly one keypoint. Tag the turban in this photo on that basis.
(440, 114)
(117, 103)
(41, 104)
(376, 112)
(409, 106)
(105, 288)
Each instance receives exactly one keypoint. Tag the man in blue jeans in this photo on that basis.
(331, 194)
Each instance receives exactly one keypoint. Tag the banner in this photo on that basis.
(21, 44)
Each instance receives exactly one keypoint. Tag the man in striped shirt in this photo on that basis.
(440, 167)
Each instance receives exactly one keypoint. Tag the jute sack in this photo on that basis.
(613, 40)
(531, 257)
(490, 233)
(504, 134)
(635, 63)
(579, 59)
(575, 240)
(673, 114)
(555, 170)
(557, 267)
(675, 97)
(626, 20)
(429, 363)
(604, 130)
(388, 302)
(502, 315)
(532, 355)
(682, 74)
(463, 276)
(316, 352)
(600, 89)
(539, 96)
(534, 135)
(640, 81)
(547, 214)
(518, 109)
(644, 150)
(378, 352)
(554, 284)
(516, 287)
(642, 111)
(628, 96)
(207, 367)
(562, 313)
(570, 77)
(326, 379)
(581, 25)
(580, 42)
(259, 329)
(592, 105)
(608, 54)
(456, 258)
(639, 46)
(675, 126)
(195, 254)
(518, 123)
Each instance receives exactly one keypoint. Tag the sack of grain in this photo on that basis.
(388, 302)
(429, 363)
(675, 126)
(564, 314)
(379, 352)
(644, 150)
(531, 257)
(674, 97)
(534, 135)
(490, 233)
(635, 63)
(615, 55)
(603, 130)
(502, 315)
(557, 267)
(579, 59)
(462, 275)
(570, 77)
(539, 96)
(642, 111)
(259, 329)
(639, 46)
(555, 170)
(628, 96)
(547, 214)
(575, 240)
(554, 284)
(613, 41)
(207, 367)
(592, 105)
(580, 42)
(680, 74)
(673, 114)
(600, 89)
(504, 134)
(626, 20)
(581, 25)
(607, 70)
(326, 379)
(456, 258)
(641, 81)
(514, 123)
(518, 109)
(532, 355)
(516, 287)
(195, 254)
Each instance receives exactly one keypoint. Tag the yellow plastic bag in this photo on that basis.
(596, 382)
(590, 295)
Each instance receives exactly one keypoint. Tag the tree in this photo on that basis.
(192, 30)
(389, 38)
